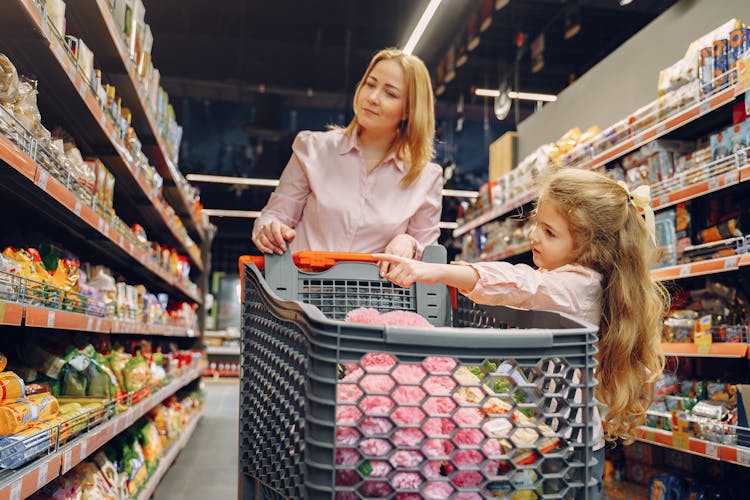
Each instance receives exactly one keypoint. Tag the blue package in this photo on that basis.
(737, 45)
(720, 63)
(21, 448)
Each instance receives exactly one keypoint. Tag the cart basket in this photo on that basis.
(499, 405)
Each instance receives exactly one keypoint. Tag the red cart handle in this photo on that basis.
(311, 261)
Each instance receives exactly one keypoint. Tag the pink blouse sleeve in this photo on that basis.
(501, 283)
(424, 224)
(290, 196)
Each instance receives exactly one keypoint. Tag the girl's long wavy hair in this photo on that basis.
(611, 237)
(415, 140)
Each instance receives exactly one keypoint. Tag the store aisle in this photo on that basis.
(207, 467)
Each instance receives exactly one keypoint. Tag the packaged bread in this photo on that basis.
(12, 387)
(15, 417)
(3, 362)
(47, 406)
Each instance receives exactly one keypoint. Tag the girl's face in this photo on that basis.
(552, 244)
(381, 102)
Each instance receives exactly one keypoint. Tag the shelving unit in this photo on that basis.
(735, 454)
(94, 21)
(25, 481)
(76, 219)
(75, 105)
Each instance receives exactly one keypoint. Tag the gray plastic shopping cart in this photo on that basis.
(493, 402)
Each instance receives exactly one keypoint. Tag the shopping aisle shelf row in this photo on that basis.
(661, 128)
(95, 22)
(739, 455)
(713, 350)
(75, 98)
(15, 314)
(23, 482)
(70, 209)
(233, 350)
(166, 460)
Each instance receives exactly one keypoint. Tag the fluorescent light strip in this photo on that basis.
(252, 214)
(530, 96)
(460, 193)
(245, 214)
(421, 26)
(223, 179)
(526, 96)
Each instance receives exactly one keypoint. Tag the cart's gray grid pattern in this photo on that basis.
(335, 298)
(272, 405)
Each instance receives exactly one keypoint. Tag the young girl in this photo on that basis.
(593, 250)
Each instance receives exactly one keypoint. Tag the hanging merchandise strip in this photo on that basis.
(122, 163)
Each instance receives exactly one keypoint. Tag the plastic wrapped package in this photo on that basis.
(23, 447)
(25, 108)
(8, 81)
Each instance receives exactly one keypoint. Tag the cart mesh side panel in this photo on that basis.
(335, 410)
(335, 298)
(272, 408)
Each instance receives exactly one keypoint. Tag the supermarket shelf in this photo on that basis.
(166, 460)
(716, 350)
(722, 174)
(223, 350)
(664, 127)
(11, 314)
(701, 268)
(89, 227)
(508, 252)
(494, 213)
(68, 94)
(25, 481)
(735, 454)
(95, 23)
(222, 334)
(221, 373)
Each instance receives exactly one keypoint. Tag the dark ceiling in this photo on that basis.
(312, 53)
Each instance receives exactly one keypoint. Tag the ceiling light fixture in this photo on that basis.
(460, 193)
(421, 26)
(244, 214)
(525, 96)
(248, 181)
(223, 179)
(623, 3)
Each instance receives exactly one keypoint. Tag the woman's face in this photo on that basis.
(381, 102)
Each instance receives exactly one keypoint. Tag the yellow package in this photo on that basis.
(15, 417)
(47, 406)
(11, 387)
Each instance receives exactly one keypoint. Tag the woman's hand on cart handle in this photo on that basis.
(273, 236)
(401, 245)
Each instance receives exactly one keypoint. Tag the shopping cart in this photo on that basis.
(500, 405)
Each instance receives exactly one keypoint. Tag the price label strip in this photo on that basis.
(15, 490)
(41, 479)
(712, 450)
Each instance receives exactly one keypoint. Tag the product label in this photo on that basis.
(43, 178)
(77, 208)
(712, 450)
(41, 479)
(2, 312)
(50, 319)
(705, 107)
(15, 490)
(66, 461)
(84, 448)
(743, 456)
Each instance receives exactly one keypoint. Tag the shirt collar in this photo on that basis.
(352, 142)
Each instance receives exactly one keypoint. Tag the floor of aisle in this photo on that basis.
(207, 467)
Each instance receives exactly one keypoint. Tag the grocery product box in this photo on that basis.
(56, 15)
(105, 185)
(503, 154)
(84, 57)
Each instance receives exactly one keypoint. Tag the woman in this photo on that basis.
(369, 187)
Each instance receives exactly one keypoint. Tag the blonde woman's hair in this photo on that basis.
(414, 142)
(611, 237)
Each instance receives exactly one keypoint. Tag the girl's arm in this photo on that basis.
(405, 272)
